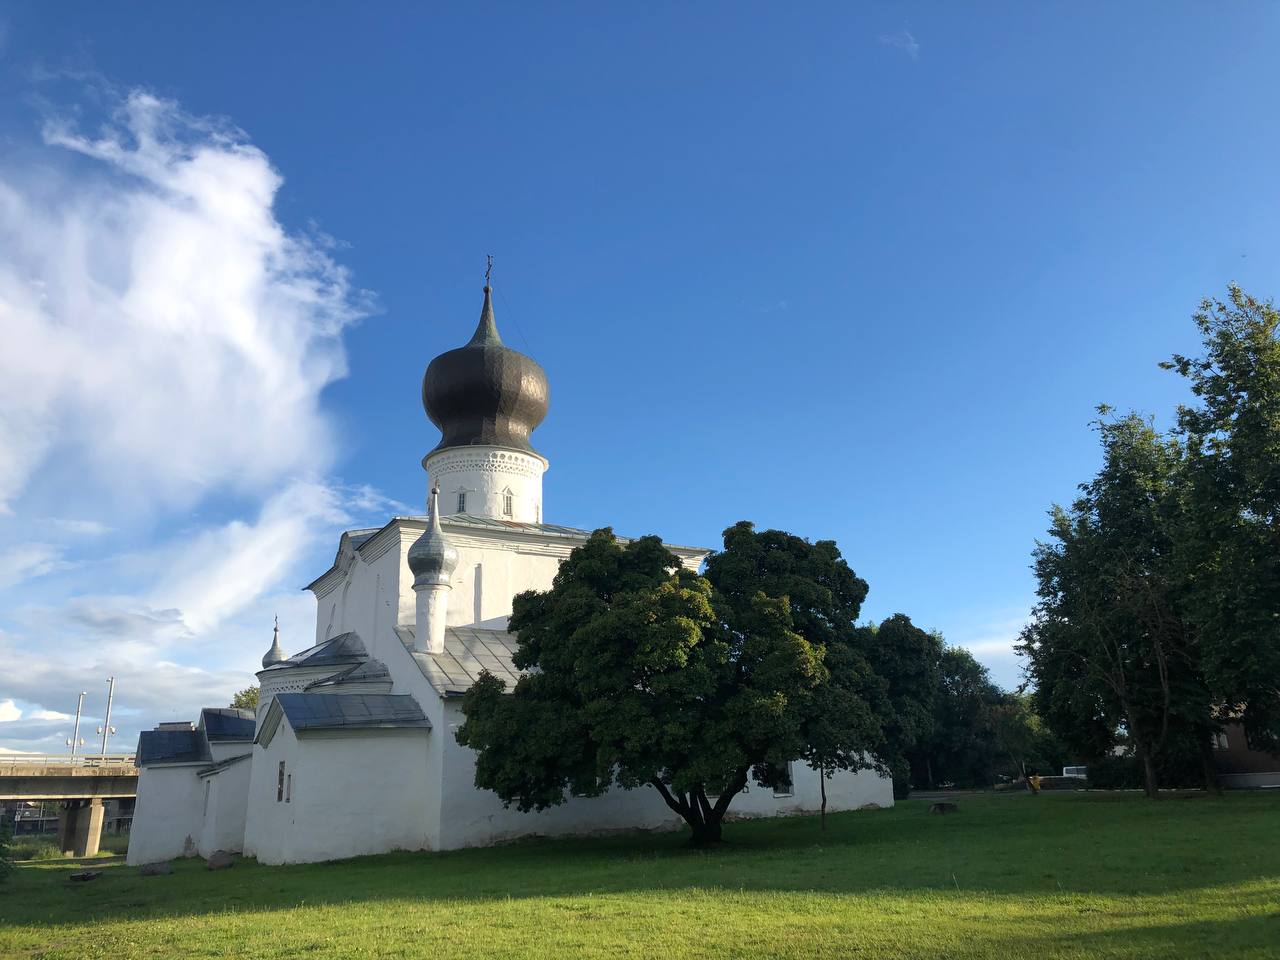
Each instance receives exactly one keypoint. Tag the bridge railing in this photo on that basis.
(63, 760)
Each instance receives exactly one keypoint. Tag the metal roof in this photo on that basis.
(315, 711)
(370, 671)
(467, 651)
(227, 723)
(172, 746)
(344, 648)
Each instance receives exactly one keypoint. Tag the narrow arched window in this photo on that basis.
(507, 503)
(462, 501)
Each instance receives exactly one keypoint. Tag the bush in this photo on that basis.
(35, 848)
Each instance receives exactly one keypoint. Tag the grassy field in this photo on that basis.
(1009, 876)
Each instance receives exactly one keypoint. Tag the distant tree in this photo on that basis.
(642, 672)
(906, 659)
(247, 699)
(960, 747)
(1108, 649)
(1229, 541)
(1022, 741)
(6, 850)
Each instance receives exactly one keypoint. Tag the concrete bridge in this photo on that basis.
(79, 783)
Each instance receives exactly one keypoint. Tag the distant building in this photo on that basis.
(1239, 764)
(352, 747)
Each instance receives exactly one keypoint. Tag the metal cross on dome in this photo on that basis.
(488, 268)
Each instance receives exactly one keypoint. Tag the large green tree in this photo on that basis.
(1108, 648)
(1229, 540)
(642, 672)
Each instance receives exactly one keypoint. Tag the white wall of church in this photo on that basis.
(225, 803)
(167, 815)
(348, 793)
(473, 817)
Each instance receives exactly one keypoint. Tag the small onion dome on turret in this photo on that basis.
(433, 557)
(276, 653)
(485, 393)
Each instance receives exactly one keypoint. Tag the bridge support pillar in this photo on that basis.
(80, 827)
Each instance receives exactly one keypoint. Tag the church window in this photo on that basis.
(507, 503)
(280, 782)
(780, 778)
(462, 501)
(288, 788)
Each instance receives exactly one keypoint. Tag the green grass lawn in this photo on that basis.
(1009, 876)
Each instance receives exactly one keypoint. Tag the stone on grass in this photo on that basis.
(84, 875)
(160, 868)
(944, 806)
(219, 860)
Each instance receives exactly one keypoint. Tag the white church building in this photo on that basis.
(351, 750)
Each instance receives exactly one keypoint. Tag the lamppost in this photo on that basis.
(75, 736)
(107, 729)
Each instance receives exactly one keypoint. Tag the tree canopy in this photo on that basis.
(1159, 612)
(247, 699)
(643, 672)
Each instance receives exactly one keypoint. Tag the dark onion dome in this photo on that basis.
(485, 393)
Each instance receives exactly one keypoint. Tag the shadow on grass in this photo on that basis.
(1037, 846)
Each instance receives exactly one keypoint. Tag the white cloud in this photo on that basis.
(9, 711)
(167, 340)
(163, 328)
(83, 528)
(27, 561)
(902, 40)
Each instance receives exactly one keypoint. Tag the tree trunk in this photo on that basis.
(822, 784)
(703, 817)
(1149, 784)
(1208, 767)
(928, 770)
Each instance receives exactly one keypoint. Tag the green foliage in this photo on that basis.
(1107, 647)
(6, 850)
(247, 699)
(1229, 540)
(642, 672)
(1160, 587)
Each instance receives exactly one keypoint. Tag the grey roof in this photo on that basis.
(492, 523)
(227, 723)
(171, 746)
(344, 648)
(467, 651)
(370, 671)
(315, 711)
(484, 392)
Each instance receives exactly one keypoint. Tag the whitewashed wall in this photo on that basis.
(224, 809)
(167, 816)
(486, 474)
(472, 817)
(352, 793)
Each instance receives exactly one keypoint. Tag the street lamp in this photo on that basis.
(75, 736)
(107, 729)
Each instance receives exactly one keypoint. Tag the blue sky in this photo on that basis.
(860, 272)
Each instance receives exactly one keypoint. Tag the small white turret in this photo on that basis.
(432, 558)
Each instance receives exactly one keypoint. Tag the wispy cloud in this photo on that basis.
(27, 561)
(167, 336)
(903, 40)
